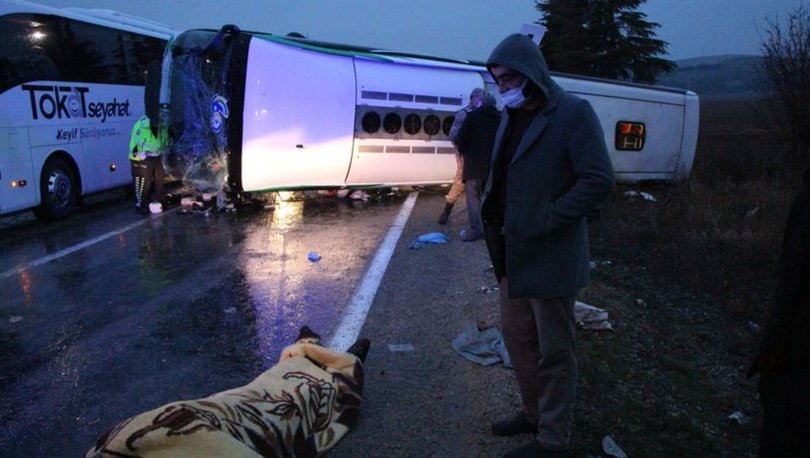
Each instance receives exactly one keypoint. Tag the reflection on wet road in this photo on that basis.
(177, 306)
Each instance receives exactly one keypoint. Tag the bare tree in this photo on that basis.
(786, 63)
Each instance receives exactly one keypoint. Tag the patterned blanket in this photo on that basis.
(302, 406)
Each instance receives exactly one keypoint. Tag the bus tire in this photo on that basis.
(59, 189)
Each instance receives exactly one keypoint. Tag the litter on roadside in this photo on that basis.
(313, 256)
(488, 289)
(610, 447)
(430, 237)
(738, 417)
(590, 317)
(15, 319)
(640, 195)
(481, 346)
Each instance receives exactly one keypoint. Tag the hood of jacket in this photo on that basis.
(519, 53)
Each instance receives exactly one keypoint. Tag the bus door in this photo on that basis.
(298, 117)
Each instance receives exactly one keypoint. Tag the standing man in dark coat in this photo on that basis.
(550, 168)
(784, 356)
(474, 142)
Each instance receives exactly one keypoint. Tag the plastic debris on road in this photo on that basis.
(15, 319)
(590, 317)
(738, 417)
(640, 195)
(430, 237)
(400, 347)
(610, 447)
(155, 207)
(481, 346)
(489, 289)
(314, 257)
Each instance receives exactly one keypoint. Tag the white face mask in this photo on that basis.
(514, 98)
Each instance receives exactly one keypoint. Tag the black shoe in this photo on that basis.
(534, 449)
(516, 424)
(445, 213)
(360, 349)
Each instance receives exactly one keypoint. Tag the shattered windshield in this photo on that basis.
(199, 113)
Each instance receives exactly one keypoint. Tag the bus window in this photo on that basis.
(28, 40)
(97, 53)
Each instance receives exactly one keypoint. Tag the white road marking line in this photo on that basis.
(74, 248)
(359, 304)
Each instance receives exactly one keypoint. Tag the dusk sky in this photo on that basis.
(467, 29)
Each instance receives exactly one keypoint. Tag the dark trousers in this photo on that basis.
(147, 174)
(785, 416)
(472, 189)
(540, 337)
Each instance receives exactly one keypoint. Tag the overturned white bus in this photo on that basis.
(260, 112)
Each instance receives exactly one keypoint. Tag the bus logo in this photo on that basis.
(65, 102)
(219, 112)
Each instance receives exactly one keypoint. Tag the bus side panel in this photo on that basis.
(105, 145)
(298, 118)
(661, 112)
(402, 158)
(15, 166)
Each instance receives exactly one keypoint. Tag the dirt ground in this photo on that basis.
(685, 279)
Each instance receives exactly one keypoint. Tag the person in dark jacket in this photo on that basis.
(474, 142)
(458, 182)
(549, 169)
(783, 360)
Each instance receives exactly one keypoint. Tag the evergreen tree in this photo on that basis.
(605, 38)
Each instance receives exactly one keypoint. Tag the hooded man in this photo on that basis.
(550, 168)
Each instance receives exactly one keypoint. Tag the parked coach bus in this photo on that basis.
(71, 87)
(260, 112)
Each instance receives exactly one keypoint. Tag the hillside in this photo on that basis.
(739, 76)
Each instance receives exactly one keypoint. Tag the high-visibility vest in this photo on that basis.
(142, 140)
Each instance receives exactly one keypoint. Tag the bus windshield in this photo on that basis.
(200, 114)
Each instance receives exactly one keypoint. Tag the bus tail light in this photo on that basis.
(630, 136)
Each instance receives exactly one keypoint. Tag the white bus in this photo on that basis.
(71, 87)
(261, 112)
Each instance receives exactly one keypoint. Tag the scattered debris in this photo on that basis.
(430, 237)
(640, 195)
(595, 264)
(359, 195)
(738, 417)
(400, 347)
(641, 303)
(230, 310)
(752, 212)
(481, 346)
(753, 327)
(313, 256)
(488, 289)
(590, 317)
(155, 207)
(15, 319)
(610, 447)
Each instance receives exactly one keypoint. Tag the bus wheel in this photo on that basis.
(59, 190)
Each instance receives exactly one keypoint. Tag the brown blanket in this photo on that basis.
(302, 406)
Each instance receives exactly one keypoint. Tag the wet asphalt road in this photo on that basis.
(110, 313)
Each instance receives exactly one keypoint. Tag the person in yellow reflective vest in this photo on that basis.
(146, 145)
